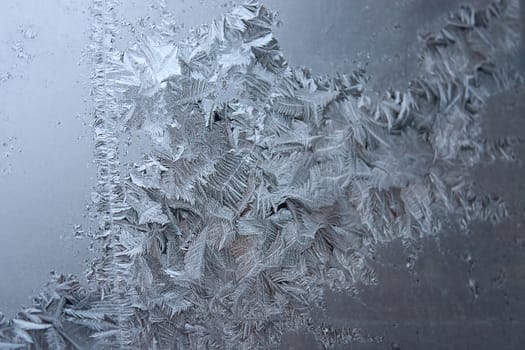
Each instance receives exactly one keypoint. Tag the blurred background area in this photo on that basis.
(46, 170)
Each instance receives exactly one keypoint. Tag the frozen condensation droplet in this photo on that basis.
(28, 33)
(5, 77)
(19, 49)
(474, 287)
(79, 232)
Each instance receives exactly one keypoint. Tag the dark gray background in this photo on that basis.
(47, 177)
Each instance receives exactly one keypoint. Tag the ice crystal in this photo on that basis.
(262, 184)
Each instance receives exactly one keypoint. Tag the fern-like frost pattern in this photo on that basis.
(263, 184)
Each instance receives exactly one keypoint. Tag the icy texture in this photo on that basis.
(263, 184)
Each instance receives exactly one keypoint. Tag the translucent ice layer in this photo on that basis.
(261, 185)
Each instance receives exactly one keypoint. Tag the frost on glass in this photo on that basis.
(261, 184)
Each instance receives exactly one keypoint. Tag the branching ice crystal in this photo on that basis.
(262, 184)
